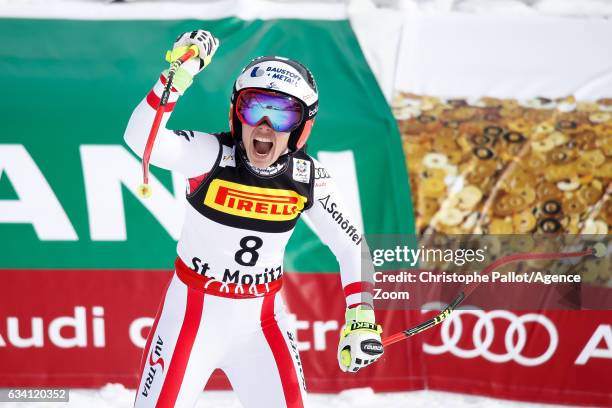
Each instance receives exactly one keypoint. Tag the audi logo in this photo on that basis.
(483, 333)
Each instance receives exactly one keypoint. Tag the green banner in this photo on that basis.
(70, 87)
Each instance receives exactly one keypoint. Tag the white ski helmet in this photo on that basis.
(285, 76)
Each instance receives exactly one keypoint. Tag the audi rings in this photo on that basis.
(483, 333)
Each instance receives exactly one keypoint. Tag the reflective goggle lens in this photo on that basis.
(282, 112)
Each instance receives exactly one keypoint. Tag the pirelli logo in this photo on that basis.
(268, 204)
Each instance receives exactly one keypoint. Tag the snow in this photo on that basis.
(117, 396)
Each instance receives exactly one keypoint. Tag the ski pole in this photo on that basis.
(598, 250)
(144, 190)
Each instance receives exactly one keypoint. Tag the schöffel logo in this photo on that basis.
(268, 204)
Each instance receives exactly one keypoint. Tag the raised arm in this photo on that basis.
(188, 152)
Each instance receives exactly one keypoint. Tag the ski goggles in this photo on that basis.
(282, 112)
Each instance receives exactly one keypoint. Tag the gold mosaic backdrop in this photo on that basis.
(500, 166)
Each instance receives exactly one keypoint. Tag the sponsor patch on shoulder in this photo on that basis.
(227, 157)
(301, 170)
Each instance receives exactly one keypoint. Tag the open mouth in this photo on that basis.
(262, 146)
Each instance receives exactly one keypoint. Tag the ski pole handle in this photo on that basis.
(144, 190)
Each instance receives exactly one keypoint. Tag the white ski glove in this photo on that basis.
(360, 343)
(207, 46)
